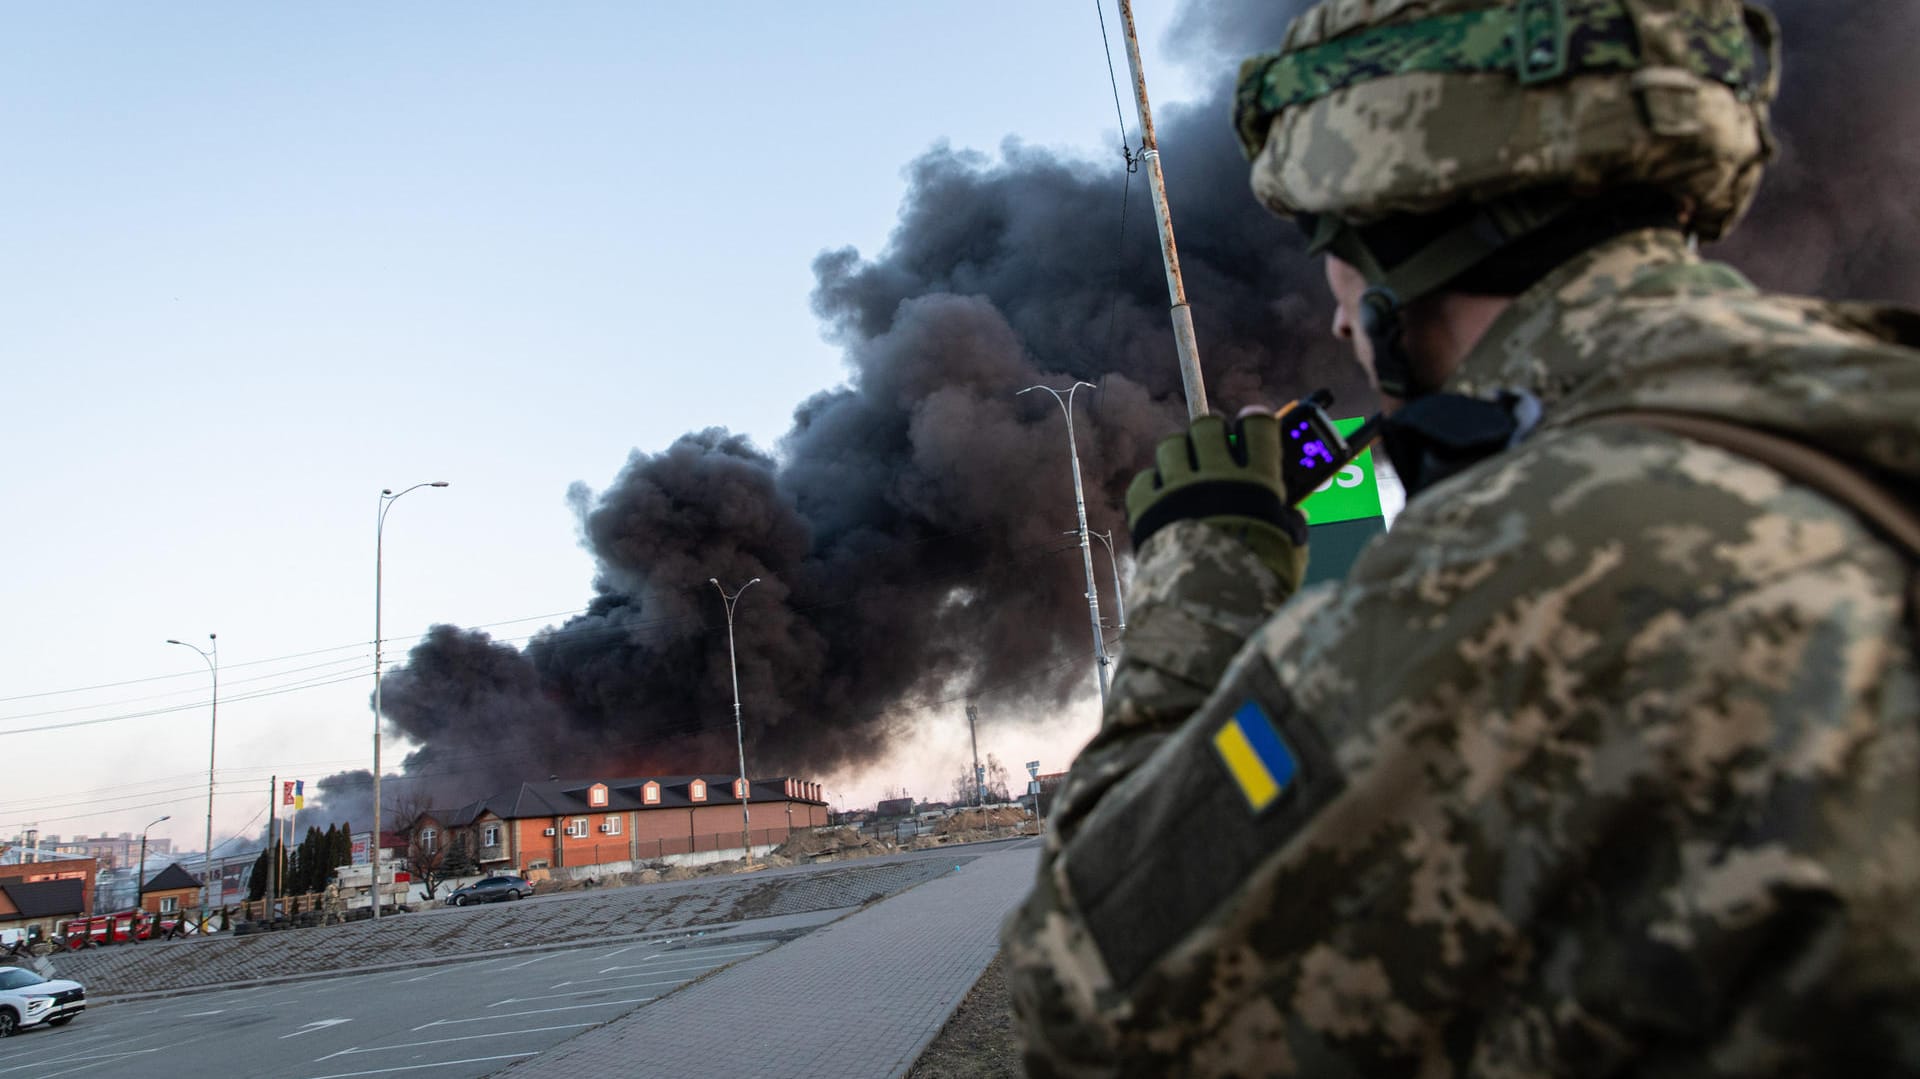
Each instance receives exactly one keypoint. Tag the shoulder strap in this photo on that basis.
(1880, 507)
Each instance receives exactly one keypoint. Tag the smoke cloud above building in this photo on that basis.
(907, 531)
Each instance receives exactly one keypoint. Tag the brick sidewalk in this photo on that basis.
(858, 999)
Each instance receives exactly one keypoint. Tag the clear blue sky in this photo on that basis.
(259, 261)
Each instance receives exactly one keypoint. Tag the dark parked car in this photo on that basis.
(490, 889)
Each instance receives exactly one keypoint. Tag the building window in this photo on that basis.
(427, 836)
(740, 788)
(697, 790)
(613, 826)
(650, 793)
(577, 827)
(597, 795)
(490, 836)
(169, 904)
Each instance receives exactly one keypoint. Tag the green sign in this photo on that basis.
(1351, 494)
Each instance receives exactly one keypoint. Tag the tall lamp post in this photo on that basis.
(739, 739)
(1086, 547)
(213, 728)
(140, 886)
(1119, 601)
(387, 499)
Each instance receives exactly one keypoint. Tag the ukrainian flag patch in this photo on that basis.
(1255, 755)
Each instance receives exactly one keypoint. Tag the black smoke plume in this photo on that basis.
(908, 533)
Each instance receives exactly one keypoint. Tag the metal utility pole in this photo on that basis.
(213, 728)
(387, 499)
(1183, 338)
(1119, 601)
(973, 728)
(1086, 548)
(273, 844)
(140, 885)
(739, 739)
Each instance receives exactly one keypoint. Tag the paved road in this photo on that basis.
(458, 1020)
(584, 917)
(854, 988)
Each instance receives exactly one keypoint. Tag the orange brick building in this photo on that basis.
(85, 870)
(585, 822)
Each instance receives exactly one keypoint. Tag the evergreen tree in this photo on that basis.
(460, 860)
(257, 881)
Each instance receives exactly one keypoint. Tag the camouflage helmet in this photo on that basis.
(1374, 109)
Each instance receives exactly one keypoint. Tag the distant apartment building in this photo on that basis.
(108, 850)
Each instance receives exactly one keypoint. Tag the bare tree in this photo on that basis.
(996, 788)
(427, 841)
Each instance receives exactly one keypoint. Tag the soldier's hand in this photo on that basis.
(1228, 476)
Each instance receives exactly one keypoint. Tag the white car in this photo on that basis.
(27, 999)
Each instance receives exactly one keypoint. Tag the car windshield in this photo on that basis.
(15, 978)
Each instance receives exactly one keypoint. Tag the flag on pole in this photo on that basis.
(286, 793)
(299, 794)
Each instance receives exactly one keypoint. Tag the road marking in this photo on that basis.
(417, 1067)
(622, 951)
(690, 972)
(532, 1011)
(84, 1067)
(444, 1041)
(317, 1024)
(195, 1015)
(423, 977)
(96, 1058)
(535, 959)
(586, 992)
(701, 954)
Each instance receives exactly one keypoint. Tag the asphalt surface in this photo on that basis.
(583, 917)
(457, 1020)
(844, 969)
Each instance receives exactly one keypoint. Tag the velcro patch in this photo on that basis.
(1166, 846)
(1256, 756)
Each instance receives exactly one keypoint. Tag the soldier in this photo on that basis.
(333, 906)
(1603, 761)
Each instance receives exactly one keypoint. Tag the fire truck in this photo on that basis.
(120, 927)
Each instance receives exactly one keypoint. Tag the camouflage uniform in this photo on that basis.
(1603, 761)
(1606, 753)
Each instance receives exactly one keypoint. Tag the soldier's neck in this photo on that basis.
(1442, 329)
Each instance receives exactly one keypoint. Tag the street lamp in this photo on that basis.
(739, 739)
(387, 499)
(213, 727)
(1086, 547)
(1120, 601)
(140, 885)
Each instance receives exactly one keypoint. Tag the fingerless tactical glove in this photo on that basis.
(1228, 476)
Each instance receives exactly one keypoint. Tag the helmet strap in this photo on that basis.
(1481, 234)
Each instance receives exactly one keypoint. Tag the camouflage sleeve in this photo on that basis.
(1603, 763)
(1197, 595)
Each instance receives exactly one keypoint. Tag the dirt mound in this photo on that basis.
(819, 843)
(982, 820)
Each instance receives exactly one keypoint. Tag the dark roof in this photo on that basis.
(170, 879)
(47, 898)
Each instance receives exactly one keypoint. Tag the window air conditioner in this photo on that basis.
(606, 827)
(549, 831)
